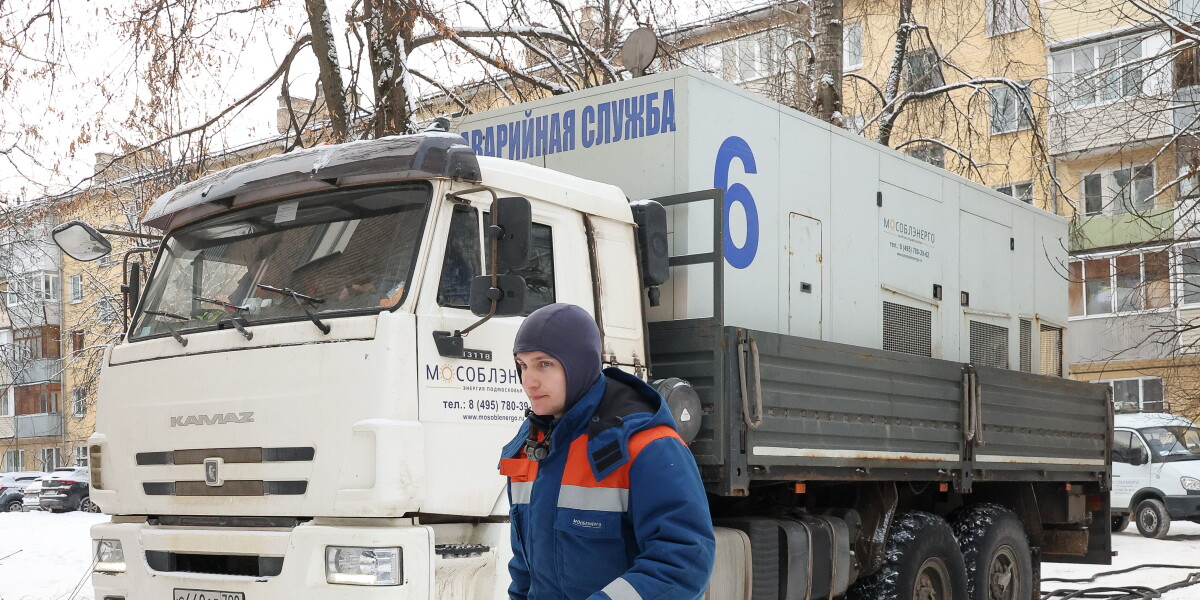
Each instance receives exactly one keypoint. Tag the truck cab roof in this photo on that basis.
(1146, 419)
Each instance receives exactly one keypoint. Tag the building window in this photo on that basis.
(1007, 16)
(14, 460)
(1119, 284)
(76, 342)
(852, 51)
(1097, 73)
(32, 288)
(75, 283)
(1144, 393)
(1189, 275)
(51, 458)
(47, 401)
(78, 402)
(755, 56)
(1120, 191)
(930, 153)
(6, 402)
(1010, 109)
(922, 70)
(1021, 191)
(107, 309)
(81, 456)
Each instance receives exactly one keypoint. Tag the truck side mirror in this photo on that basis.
(509, 295)
(1138, 456)
(651, 219)
(81, 241)
(512, 230)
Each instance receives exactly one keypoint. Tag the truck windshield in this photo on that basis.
(326, 255)
(1173, 442)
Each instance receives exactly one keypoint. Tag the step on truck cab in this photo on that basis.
(861, 351)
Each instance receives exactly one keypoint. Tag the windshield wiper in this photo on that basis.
(171, 326)
(235, 317)
(297, 296)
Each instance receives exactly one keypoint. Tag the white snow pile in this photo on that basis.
(46, 556)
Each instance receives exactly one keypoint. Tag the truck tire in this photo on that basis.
(996, 553)
(1120, 523)
(1152, 518)
(922, 562)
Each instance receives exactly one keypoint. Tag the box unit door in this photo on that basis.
(804, 276)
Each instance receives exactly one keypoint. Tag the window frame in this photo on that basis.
(1018, 100)
(1113, 194)
(1017, 12)
(932, 70)
(80, 456)
(75, 288)
(848, 50)
(737, 68)
(1010, 189)
(1113, 274)
(78, 403)
(1141, 404)
(1064, 84)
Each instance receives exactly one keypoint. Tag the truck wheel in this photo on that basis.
(1119, 523)
(996, 552)
(1152, 518)
(922, 562)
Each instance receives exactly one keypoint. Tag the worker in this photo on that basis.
(606, 500)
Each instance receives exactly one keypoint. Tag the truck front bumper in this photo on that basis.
(1183, 507)
(301, 548)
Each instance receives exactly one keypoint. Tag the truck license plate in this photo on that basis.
(184, 594)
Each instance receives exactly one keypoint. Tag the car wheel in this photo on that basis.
(923, 561)
(1120, 523)
(996, 553)
(86, 505)
(14, 506)
(1152, 518)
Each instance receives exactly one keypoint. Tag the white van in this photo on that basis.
(1155, 472)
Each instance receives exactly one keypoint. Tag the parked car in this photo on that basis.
(33, 492)
(68, 489)
(32, 499)
(12, 488)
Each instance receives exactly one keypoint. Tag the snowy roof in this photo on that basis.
(1139, 420)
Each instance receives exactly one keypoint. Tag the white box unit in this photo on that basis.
(828, 235)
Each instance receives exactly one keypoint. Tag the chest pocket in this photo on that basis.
(588, 523)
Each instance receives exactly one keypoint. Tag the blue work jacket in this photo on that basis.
(616, 510)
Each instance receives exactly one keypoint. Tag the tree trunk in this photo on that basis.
(827, 30)
(389, 26)
(329, 67)
(891, 88)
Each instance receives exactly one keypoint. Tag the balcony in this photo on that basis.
(1101, 231)
(42, 370)
(40, 425)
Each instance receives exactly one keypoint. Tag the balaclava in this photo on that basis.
(569, 335)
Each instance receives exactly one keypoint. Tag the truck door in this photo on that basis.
(1128, 478)
(472, 405)
(804, 275)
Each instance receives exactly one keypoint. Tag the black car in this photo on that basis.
(12, 487)
(67, 490)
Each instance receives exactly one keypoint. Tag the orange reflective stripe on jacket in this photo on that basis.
(580, 490)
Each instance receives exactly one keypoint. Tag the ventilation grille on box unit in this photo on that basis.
(989, 345)
(907, 329)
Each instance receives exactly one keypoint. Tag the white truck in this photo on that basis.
(316, 382)
(1155, 472)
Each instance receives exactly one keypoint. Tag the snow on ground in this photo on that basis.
(1181, 546)
(46, 556)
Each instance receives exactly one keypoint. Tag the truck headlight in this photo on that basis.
(110, 557)
(364, 566)
(1190, 484)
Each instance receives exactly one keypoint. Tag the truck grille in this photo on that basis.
(240, 487)
(230, 455)
(215, 564)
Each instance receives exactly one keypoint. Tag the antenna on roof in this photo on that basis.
(639, 50)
